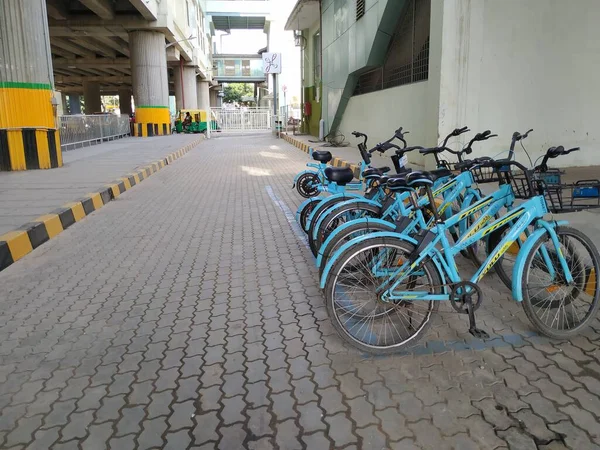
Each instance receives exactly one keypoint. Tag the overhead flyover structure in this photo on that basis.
(239, 14)
(131, 48)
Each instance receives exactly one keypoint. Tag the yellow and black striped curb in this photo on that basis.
(16, 244)
(335, 162)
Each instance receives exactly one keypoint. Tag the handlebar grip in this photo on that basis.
(574, 149)
(398, 131)
(357, 134)
(486, 133)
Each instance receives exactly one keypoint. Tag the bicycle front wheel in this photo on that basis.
(556, 308)
(356, 309)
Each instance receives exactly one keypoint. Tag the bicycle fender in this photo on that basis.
(340, 205)
(517, 275)
(302, 173)
(358, 240)
(304, 204)
(340, 229)
(331, 198)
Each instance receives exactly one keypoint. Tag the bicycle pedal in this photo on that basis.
(479, 333)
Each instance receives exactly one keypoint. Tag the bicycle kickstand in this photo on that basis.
(477, 332)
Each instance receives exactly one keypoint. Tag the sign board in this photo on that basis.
(271, 62)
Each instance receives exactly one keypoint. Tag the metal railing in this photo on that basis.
(242, 119)
(80, 131)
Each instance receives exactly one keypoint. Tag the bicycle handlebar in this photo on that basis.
(554, 152)
(456, 132)
(516, 137)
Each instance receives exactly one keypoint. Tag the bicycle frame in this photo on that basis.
(527, 214)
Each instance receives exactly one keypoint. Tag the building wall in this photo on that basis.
(310, 83)
(415, 107)
(515, 65)
(350, 46)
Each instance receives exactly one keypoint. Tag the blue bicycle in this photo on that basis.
(346, 220)
(383, 290)
(338, 178)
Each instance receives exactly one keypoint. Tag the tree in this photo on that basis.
(233, 92)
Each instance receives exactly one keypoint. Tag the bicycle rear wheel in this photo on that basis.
(558, 309)
(358, 313)
(347, 235)
(340, 216)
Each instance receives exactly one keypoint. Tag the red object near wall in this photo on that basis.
(307, 109)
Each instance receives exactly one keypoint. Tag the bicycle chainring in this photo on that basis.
(459, 293)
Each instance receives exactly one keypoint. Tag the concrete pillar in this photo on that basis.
(125, 101)
(203, 91)
(28, 135)
(150, 83)
(185, 87)
(63, 99)
(74, 104)
(91, 97)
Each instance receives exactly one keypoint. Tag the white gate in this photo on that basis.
(237, 119)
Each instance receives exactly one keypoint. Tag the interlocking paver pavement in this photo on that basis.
(194, 321)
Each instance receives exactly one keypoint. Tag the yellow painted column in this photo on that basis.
(28, 135)
(150, 83)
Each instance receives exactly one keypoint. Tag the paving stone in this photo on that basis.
(283, 406)
(153, 430)
(589, 401)
(372, 438)
(311, 417)
(60, 412)
(259, 421)
(534, 425)
(583, 419)
(331, 400)
(23, 434)
(340, 430)
(257, 394)
(232, 410)
(574, 437)
(183, 415)
(428, 436)
(495, 414)
(77, 426)
(177, 440)
(517, 439)
(304, 390)
(160, 404)
(233, 437)
(316, 440)
(261, 444)
(43, 439)
(287, 435)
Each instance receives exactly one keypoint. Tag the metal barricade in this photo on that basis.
(242, 119)
(80, 131)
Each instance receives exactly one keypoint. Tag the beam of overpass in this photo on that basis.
(112, 43)
(90, 63)
(96, 79)
(102, 8)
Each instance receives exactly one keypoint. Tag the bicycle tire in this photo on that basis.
(581, 280)
(302, 185)
(321, 208)
(308, 208)
(348, 234)
(328, 223)
(406, 248)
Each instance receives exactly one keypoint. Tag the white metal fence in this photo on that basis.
(79, 131)
(242, 119)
